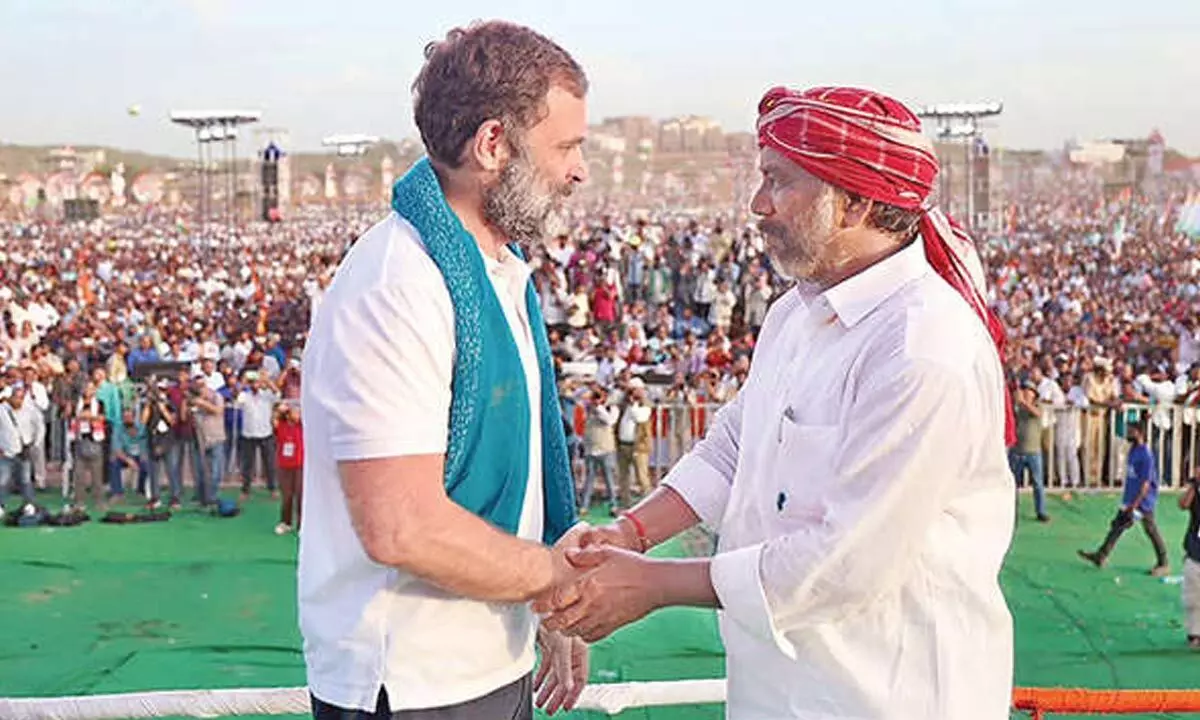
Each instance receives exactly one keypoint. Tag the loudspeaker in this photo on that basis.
(81, 210)
(270, 182)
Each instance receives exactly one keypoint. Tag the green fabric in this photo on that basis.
(487, 454)
(199, 602)
(114, 400)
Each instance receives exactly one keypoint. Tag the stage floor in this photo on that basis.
(202, 602)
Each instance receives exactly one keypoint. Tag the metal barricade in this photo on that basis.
(1091, 456)
(1099, 438)
(676, 428)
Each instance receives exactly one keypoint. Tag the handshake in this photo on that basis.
(601, 583)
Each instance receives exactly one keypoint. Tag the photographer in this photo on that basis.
(208, 410)
(130, 450)
(88, 431)
(678, 399)
(633, 444)
(182, 440)
(158, 417)
(600, 444)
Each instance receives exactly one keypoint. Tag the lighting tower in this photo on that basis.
(960, 123)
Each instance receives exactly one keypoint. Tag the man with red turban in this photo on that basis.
(858, 483)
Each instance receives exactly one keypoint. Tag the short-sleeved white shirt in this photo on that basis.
(377, 383)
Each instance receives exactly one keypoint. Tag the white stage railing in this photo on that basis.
(610, 698)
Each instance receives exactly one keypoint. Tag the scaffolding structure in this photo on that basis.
(958, 124)
(216, 143)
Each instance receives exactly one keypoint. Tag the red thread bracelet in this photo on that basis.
(638, 527)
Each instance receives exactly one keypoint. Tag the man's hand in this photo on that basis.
(564, 574)
(574, 537)
(621, 534)
(563, 672)
(617, 588)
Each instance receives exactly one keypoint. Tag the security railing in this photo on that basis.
(1098, 437)
(1095, 437)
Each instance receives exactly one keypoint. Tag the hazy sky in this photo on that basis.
(69, 70)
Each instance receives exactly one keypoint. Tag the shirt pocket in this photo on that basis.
(802, 473)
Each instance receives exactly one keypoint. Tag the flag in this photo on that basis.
(1118, 235)
(1189, 216)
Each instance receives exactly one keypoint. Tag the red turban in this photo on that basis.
(871, 145)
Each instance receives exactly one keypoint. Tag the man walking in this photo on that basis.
(1139, 501)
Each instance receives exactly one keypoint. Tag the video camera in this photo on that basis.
(147, 372)
(147, 375)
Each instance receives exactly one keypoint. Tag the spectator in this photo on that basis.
(14, 470)
(1027, 454)
(289, 443)
(1068, 411)
(257, 402)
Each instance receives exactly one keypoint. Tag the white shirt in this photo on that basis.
(1189, 349)
(633, 416)
(31, 423)
(10, 431)
(215, 381)
(258, 411)
(1162, 398)
(859, 486)
(554, 306)
(1067, 413)
(376, 383)
(39, 396)
(1049, 394)
(609, 368)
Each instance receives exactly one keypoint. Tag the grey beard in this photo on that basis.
(517, 207)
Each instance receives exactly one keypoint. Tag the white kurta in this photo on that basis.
(860, 488)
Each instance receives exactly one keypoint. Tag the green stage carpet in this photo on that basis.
(200, 602)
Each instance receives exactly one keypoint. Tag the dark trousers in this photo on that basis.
(291, 481)
(250, 449)
(1122, 522)
(116, 470)
(511, 702)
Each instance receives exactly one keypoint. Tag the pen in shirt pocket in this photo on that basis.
(789, 415)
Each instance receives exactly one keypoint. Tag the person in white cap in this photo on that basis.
(633, 443)
(1101, 389)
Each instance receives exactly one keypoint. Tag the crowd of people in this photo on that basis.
(652, 316)
(128, 347)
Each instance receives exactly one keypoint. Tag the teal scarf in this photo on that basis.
(487, 460)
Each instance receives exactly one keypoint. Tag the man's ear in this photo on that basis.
(855, 210)
(489, 149)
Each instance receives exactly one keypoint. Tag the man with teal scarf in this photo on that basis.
(438, 496)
